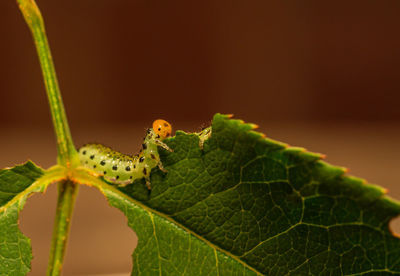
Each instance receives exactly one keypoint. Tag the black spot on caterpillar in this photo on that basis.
(123, 169)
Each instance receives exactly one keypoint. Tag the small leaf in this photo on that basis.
(16, 184)
(247, 205)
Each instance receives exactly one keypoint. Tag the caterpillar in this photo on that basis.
(122, 169)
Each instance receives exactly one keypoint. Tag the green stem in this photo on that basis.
(67, 192)
(67, 155)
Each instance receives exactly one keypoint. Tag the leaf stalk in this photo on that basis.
(67, 155)
(67, 192)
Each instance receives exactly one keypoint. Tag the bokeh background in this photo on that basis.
(319, 74)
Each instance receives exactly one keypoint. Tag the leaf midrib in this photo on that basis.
(102, 186)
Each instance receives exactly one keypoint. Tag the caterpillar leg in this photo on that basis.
(163, 145)
(123, 184)
(161, 167)
(148, 184)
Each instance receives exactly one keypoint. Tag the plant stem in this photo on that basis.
(67, 155)
(67, 192)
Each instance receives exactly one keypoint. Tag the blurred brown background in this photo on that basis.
(320, 75)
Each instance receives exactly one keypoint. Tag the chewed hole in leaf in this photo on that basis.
(100, 240)
(394, 226)
(36, 222)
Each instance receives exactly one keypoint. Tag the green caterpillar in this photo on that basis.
(124, 169)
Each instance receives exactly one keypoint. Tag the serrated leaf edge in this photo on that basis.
(318, 159)
(83, 176)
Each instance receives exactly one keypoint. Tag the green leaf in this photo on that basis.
(16, 184)
(247, 205)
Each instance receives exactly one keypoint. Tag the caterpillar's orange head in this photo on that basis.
(162, 128)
